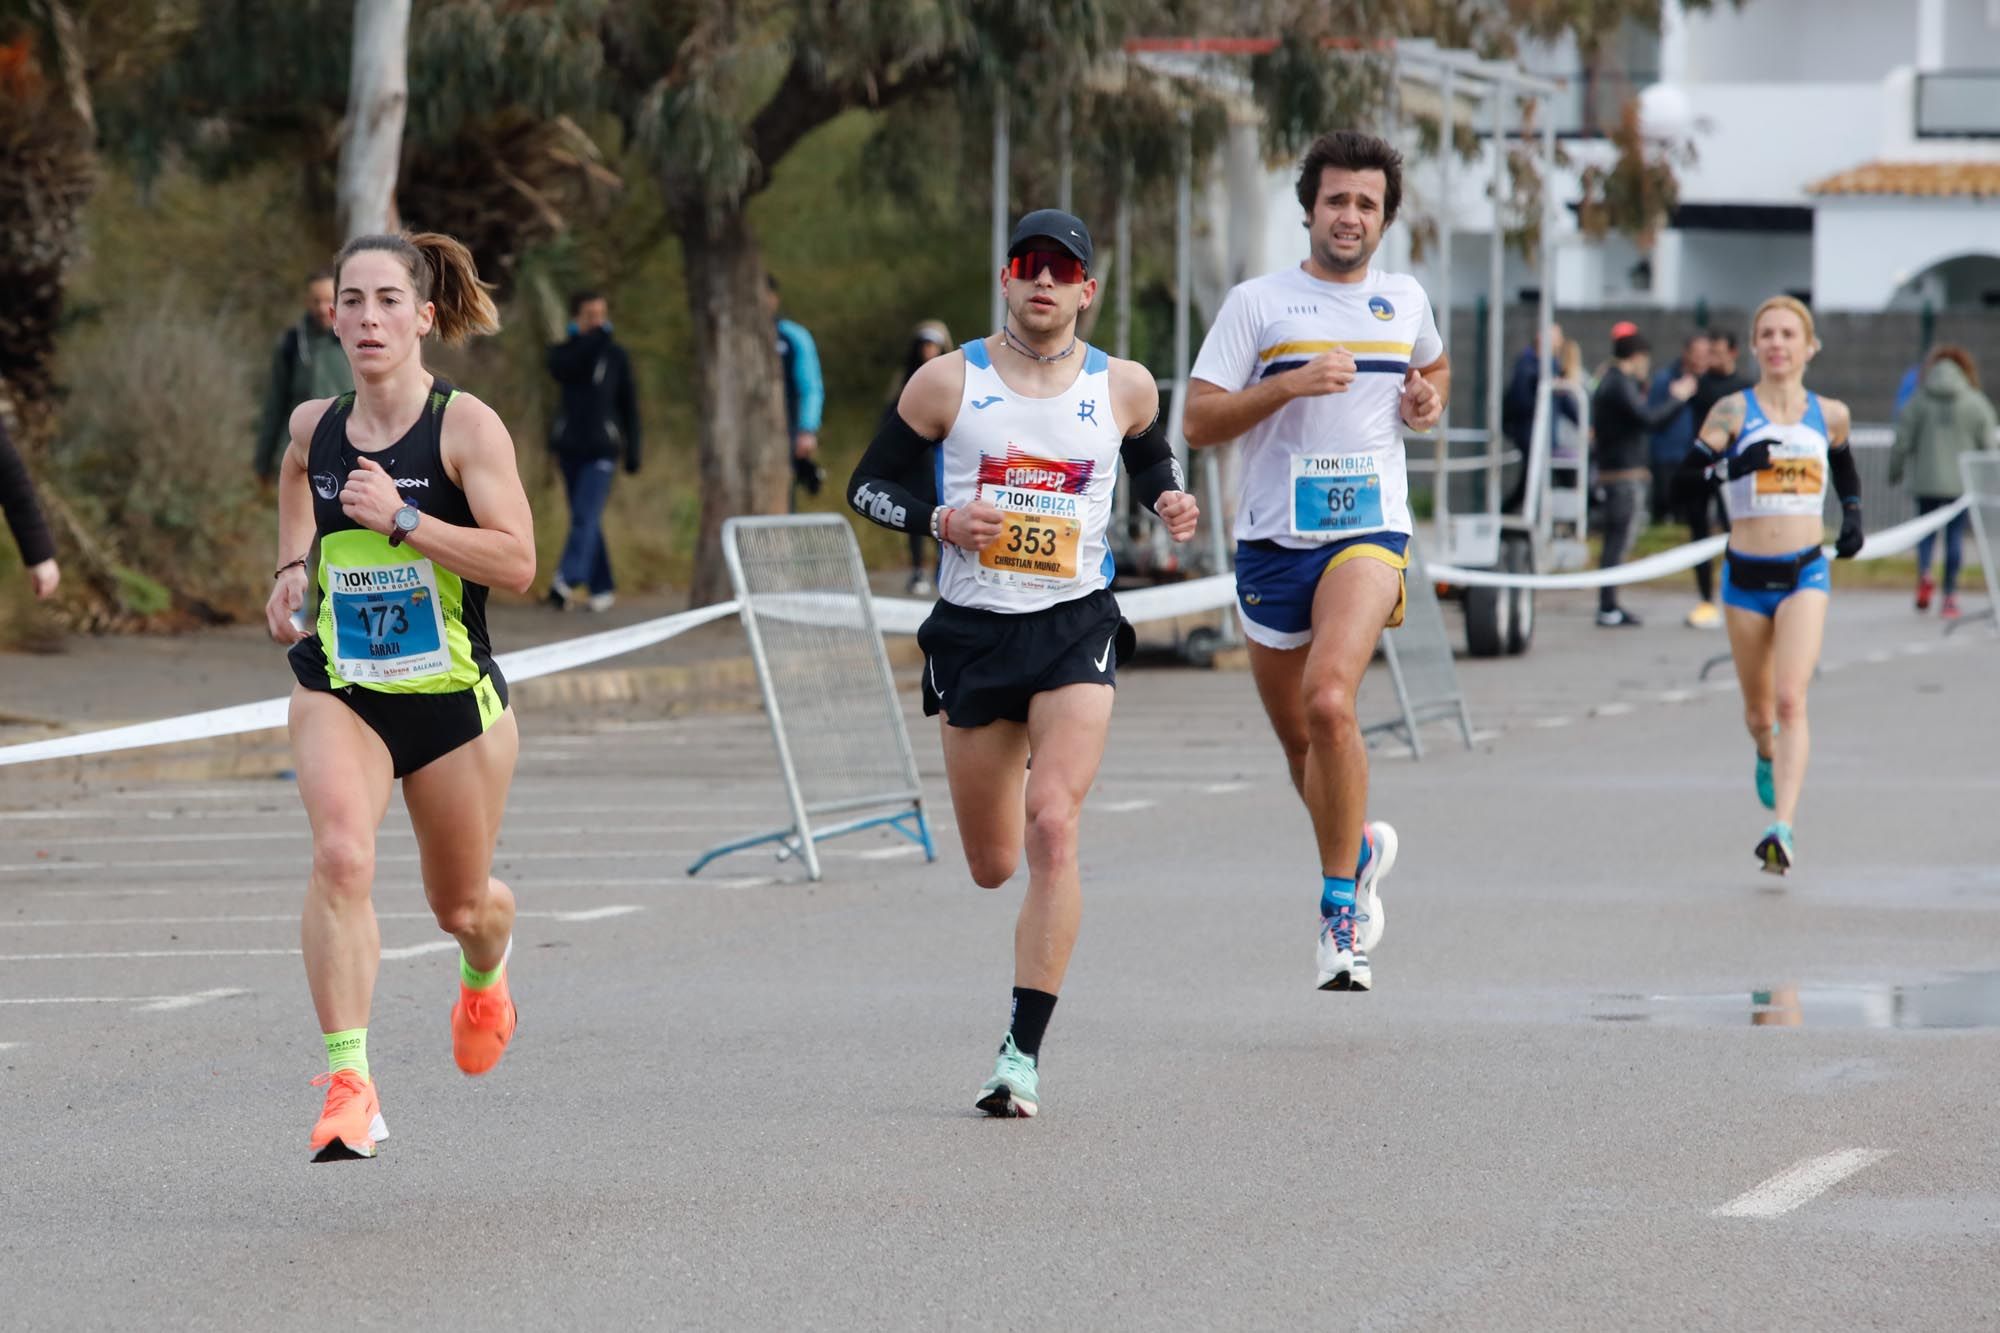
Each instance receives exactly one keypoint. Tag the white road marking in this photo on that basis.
(1617, 708)
(416, 950)
(1550, 723)
(885, 853)
(1801, 1183)
(101, 955)
(143, 1003)
(9, 1045)
(264, 918)
(207, 890)
(1676, 696)
(190, 1001)
(504, 856)
(1480, 737)
(1878, 657)
(1125, 807)
(587, 914)
(1224, 788)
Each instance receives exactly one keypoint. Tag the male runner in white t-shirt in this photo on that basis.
(1318, 369)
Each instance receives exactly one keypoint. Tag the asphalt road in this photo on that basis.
(1576, 1098)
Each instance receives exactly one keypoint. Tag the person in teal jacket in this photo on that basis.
(1945, 418)
(805, 393)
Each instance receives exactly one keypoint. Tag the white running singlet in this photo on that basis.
(1326, 468)
(1795, 483)
(1050, 466)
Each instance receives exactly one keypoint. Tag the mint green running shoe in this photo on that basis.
(1767, 789)
(1774, 853)
(1015, 1087)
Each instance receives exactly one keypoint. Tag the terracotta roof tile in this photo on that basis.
(1959, 179)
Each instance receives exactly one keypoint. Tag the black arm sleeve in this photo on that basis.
(878, 490)
(1693, 471)
(1846, 477)
(1150, 462)
(24, 514)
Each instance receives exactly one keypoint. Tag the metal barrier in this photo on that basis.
(1421, 666)
(1981, 474)
(842, 748)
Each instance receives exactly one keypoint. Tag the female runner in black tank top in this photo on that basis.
(412, 491)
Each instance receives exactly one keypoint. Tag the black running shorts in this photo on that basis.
(984, 666)
(420, 729)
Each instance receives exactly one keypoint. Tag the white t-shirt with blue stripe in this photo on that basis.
(1327, 468)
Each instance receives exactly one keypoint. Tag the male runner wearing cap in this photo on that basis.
(1318, 368)
(1020, 652)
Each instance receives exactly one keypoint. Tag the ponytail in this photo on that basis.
(441, 272)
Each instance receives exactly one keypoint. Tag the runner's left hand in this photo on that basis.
(1422, 404)
(370, 498)
(1179, 512)
(1848, 544)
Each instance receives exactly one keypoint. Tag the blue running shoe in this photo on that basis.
(1767, 791)
(1774, 853)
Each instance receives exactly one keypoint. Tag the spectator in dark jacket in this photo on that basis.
(597, 424)
(1701, 507)
(929, 339)
(1670, 443)
(1517, 404)
(1621, 422)
(308, 363)
(24, 517)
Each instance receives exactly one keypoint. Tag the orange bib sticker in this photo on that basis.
(1791, 476)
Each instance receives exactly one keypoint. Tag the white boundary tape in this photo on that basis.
(523, 664)
(902, 615)
(1888, 542)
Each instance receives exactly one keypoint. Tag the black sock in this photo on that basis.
(1031, 1019)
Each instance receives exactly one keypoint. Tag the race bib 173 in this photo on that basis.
(388, 623)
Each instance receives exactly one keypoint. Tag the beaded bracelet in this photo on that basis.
(295, 564)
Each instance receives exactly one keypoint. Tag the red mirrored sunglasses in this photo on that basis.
(1063, 266)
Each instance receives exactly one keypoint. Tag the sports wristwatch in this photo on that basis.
(403, 523)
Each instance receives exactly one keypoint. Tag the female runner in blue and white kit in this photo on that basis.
(1020, 653)
(1778, 445)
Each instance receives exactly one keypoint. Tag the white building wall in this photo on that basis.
(1758, 145)
(1971, 35)
(1793, 41)
(1866, 248)
(1741, 268)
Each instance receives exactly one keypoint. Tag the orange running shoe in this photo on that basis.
(482, 1023)
(350, 1125)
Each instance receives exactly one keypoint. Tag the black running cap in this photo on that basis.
(1065, 229)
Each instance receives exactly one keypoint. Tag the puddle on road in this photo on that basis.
(1969, 1001)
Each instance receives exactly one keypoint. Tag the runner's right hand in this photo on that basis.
(1329, 372)
(975, 526)
(288, 594)
(1752, 457)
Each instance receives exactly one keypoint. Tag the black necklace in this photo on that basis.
(1008, 336)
